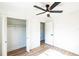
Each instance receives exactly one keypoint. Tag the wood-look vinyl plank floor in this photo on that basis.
(39, 50)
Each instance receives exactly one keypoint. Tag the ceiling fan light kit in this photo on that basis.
(48, 15)
(49, 9)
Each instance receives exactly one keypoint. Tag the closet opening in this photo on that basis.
(16, 36)
(42, 33)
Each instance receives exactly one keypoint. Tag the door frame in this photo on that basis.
(4, 35)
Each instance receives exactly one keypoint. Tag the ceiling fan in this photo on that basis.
(49, 9)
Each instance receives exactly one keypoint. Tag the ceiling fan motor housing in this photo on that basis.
(47, 5)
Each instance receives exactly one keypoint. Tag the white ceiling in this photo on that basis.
(27, 9)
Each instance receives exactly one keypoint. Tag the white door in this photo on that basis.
(49, 31)
(4, 36)
(0, 36)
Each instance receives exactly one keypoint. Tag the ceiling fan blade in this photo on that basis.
(59, 11)
(40, 13)
(39, 8)
(54, 5)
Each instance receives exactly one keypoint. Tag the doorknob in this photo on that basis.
(51, 34)
(5, 41)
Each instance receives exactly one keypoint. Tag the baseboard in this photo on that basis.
(65, 50)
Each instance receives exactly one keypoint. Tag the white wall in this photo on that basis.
(66, 28)
(35, 33)
(0, 36)
(16, 35)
